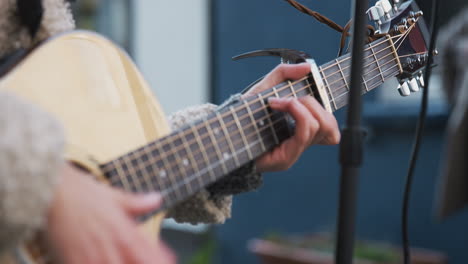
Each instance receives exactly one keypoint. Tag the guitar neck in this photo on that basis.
(189, 159)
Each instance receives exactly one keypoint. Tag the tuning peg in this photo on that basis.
(386, 7)
(375, 14)
(420, 79)
(416, 14)
(413, 85)
(404, 89)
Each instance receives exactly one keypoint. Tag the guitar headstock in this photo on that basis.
(405, 24)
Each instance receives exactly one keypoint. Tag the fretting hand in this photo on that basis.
(314, 125)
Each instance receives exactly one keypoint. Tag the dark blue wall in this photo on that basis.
(304, 199)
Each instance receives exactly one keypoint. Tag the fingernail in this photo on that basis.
(152, 198)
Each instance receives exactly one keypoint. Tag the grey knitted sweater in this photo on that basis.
(31, 146)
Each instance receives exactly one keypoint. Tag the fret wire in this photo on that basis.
(269, 120)
(205, 155)
(365, 84)
(276, 92)
(372, 88)
(342, 74)
(180, 164)
(364, 66)
(292, 89)
(153, 164)
(166, 174)
(309, 86)
(249, 153)
(129, 165)
(216, 147)
(347, 59)
(298, 80)
(147, 177)
(228, 139)
(191, 157)
(196, 175)
(121, 175)
(255, 125)
(220, 149)
(377, 62)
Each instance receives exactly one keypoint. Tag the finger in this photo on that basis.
(139, 204)
(306, 129)
(306, 125)
(281, 73)
(329, 133)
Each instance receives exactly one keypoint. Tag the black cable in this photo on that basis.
(419, 132)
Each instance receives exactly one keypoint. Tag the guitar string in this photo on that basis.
(325, 76)
(188, 179)
(405, 35)
(177, 149)
(371, 63)
(281, 89)
(374, 53)
(419, 53)
(296, 82)
(145, 167)
(280, 120)
(153, 159)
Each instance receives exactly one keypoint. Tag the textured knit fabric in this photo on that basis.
(213, 204)
(57, 18)
(31, 145)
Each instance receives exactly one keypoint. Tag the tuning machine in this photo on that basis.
(380, 13)
(403, 88)
(386, 8)
(412, 84)
(396, 4)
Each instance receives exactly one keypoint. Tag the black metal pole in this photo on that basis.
(351, 149)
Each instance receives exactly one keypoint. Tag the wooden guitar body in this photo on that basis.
(97, 93)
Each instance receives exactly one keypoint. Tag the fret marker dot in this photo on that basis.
(261, 123)
(225, 155)
(185, 162)
(163, 173)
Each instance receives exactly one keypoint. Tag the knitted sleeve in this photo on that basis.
(213, 204)
(31, 152)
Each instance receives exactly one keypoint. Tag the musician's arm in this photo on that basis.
(31, 151)
(213, 204)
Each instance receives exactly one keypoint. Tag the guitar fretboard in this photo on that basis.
(189, 159)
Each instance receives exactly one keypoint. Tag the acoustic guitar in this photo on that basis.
(117, 130)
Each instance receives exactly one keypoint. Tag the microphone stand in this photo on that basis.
(351, 147)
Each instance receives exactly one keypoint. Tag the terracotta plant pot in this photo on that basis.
(318, 249)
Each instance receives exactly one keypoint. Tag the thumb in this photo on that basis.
(140, 204)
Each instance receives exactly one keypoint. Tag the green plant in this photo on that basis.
(205, 254)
